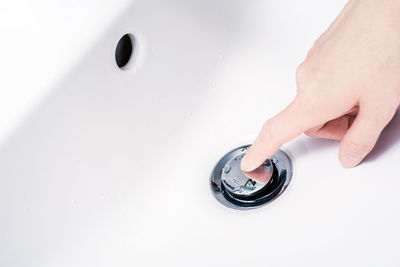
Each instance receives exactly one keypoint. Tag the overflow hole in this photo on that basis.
(124, 50)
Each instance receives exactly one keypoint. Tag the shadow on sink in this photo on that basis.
(389, 138)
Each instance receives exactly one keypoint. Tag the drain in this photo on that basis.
(234, 189)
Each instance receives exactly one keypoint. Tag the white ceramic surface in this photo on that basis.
(107, 167)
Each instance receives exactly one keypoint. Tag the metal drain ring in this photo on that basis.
(281, 176)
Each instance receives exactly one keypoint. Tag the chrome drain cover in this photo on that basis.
(237, 190)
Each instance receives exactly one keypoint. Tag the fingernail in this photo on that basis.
(349, 161)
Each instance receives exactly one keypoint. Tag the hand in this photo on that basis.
(348, 85)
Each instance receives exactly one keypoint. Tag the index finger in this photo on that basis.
(285, 126)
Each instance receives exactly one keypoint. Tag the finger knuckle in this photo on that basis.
(270, 130)
(356, 148)
(312, 99)
(308, 86)
(301, 74)
(305, 76)
(391, 112)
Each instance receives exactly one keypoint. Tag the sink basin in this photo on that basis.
(103, 166)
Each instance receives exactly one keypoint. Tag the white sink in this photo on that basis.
(107, 167)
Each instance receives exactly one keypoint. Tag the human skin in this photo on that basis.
(348, 87)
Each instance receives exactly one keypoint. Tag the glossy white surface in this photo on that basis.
(111, 168)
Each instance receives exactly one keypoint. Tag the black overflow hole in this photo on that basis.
(124, 50)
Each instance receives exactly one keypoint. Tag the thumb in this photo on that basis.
(361, 138)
